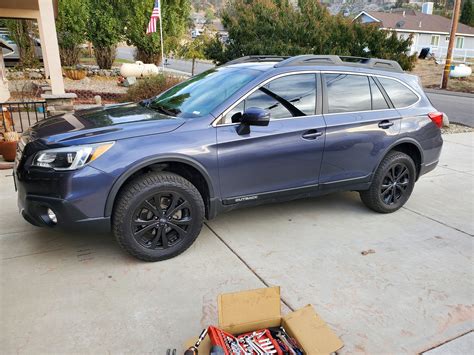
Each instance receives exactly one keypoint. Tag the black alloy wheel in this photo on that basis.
(395, 183)
(162, 220)
(157, 216)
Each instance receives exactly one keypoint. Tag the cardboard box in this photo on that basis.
(246, 311)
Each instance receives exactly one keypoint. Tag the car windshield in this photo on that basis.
(202, 93)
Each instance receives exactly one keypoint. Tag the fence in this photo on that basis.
(459, 54)
(22, 114)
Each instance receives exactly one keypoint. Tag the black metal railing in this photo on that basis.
(22, 114)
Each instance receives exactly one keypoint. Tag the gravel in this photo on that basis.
(456, 128)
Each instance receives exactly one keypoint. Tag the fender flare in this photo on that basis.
(394, 144)
(118, 183)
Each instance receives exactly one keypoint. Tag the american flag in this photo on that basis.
(155, 15)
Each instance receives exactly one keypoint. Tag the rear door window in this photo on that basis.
(399, 94)
(347, 93)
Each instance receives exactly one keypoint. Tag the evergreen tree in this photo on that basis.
(467, 13)
(277, 27)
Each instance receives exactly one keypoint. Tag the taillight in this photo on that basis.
(437, 118)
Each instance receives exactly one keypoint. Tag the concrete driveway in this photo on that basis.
(69, 293)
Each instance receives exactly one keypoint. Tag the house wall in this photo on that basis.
(365, 19)
(424, 40)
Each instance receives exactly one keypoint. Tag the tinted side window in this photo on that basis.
(289, 96)
(298, 89)
(400, 95)
(262, 100)
(378, 101)
(347, 93)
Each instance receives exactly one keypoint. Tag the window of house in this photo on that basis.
(347, 93)
(378, 101)
(459, 42)
(435, 40)
(399, 94)
(285, 97)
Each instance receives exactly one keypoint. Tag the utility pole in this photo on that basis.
(452, 39)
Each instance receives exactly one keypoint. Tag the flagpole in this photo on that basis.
(161, 39)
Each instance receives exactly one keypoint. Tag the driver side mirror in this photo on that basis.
(253, 116)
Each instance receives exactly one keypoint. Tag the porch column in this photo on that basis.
(49, 41)
(43, 50)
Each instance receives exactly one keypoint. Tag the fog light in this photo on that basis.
(52, 216)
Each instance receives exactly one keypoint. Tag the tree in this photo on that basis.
(194, 50)
(104, 30)
(174, 14)
(467, 13)
(71, 26)
(23, 33)
(277, 27)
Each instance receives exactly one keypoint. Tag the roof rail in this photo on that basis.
(373, 63)
(257, 59)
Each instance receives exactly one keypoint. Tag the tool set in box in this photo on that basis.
(266, 341)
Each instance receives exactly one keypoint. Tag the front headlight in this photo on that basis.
(70, 158)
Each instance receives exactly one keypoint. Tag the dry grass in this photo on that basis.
(430, 74)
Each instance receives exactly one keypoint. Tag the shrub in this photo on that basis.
(150, 86)
(23, 34)
(136, 13)
(71, 25)
(104, 30)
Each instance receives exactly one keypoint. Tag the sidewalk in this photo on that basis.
(79, 293)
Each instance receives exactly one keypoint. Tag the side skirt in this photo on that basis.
(232, 203)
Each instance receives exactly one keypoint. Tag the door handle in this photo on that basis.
(312, 134)
(385, 124)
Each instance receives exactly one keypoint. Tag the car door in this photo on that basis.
(284, 155)
(360, 124)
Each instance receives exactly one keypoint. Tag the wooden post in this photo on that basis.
(452, 39)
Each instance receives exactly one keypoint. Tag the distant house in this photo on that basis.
(429, 31)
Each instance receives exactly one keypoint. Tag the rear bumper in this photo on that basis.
(426, 168)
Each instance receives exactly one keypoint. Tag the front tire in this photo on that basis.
(157, 216)
(392, 184)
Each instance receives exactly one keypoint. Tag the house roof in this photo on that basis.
(416, 21)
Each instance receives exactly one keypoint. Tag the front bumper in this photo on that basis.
(34, 209)
(77, 198)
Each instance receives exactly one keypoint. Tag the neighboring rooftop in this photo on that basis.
(412, 20)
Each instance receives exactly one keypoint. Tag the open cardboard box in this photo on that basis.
(247, 311)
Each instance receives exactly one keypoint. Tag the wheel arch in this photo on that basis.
(408, 146)
(176, 164)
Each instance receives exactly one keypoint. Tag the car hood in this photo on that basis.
(103, 124)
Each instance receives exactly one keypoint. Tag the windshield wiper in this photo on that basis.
(161, 109)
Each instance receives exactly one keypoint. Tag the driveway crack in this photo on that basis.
(246, 264)
(435, 220)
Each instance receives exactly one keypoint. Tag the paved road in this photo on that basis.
(460, 109)
(79, 293)
(176, 64)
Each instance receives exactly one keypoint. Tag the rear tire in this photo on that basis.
(392, 184)
(157, 216)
